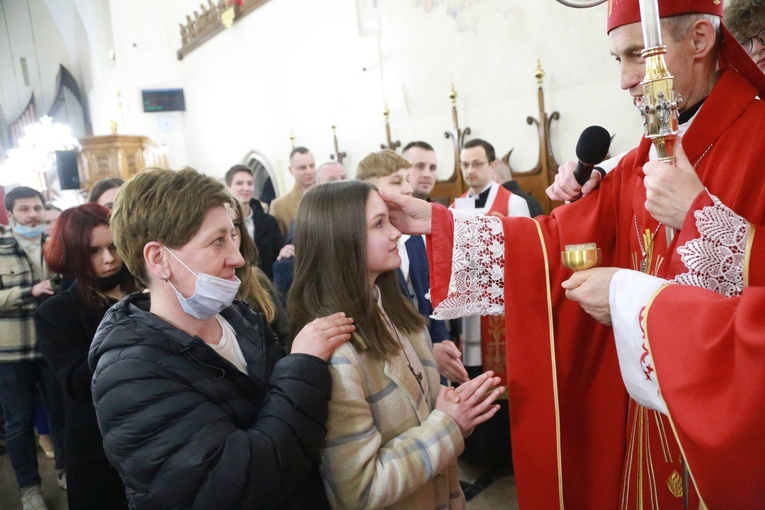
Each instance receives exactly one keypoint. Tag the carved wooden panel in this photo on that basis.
(444, 192)
(212, 19)
(536, 180)
(120, 156)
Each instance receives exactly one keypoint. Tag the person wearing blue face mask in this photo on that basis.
(198, 403)
(24, 283)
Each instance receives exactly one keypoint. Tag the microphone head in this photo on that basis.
(593, 145)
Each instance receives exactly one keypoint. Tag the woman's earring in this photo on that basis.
(164, 277)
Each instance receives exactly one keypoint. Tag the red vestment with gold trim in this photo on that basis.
(575, 444)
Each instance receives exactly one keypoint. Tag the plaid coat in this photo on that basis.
(386, 446)
(17, 305)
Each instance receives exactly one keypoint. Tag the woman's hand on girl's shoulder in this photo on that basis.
(322, 336)
(471, 403)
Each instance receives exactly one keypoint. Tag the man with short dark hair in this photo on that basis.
(422, 173)
(484, 337)
(24, 373)
(263, 228)
(302, 167)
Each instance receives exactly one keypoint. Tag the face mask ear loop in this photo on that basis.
(179, 260)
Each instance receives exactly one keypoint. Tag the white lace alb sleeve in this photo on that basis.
(477, 283)
(715, 260)
(628, 295)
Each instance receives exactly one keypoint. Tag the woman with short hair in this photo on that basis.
(198, 404)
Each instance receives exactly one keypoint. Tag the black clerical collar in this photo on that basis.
(480, 200)
(690, 112)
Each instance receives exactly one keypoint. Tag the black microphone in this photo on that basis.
(591, 149)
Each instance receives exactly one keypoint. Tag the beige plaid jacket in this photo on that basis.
(386, 446)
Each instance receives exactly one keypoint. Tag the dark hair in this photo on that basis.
(419, 144)
(102, 186)
(298, 150)
(235, 170)
(331, 270)
(18, 193)
(68, 249)
(487, 147)
(744, 18)
(50, 207)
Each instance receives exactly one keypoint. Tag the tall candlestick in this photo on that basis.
(649, 17)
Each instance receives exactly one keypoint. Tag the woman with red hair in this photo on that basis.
(81, 248)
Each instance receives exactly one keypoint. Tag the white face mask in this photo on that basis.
(212, 294)
(29, 232)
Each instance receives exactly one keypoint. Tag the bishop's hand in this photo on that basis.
(408, 214)
(590, 289)
(566, 188)
(670, 190)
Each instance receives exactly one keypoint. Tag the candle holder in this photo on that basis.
(578, 257)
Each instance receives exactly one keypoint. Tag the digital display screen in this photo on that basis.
(163, 100)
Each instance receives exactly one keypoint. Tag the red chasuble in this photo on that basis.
(574, 445)
(709, 353)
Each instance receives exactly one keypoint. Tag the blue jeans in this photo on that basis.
(19, 384)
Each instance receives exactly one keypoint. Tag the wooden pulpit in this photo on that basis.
(117, 155)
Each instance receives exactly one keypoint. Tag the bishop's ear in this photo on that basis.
(704, 36)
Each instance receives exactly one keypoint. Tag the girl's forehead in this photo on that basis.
(375, 204)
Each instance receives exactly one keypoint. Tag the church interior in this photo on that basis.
(209, 84)
(340, 77)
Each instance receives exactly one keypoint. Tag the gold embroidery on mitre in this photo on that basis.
(675, 484)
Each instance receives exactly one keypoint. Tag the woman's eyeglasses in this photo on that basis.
(748, 44)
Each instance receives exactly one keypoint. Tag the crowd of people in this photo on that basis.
(339, 347)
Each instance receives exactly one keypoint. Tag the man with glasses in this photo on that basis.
(746, 21)
(483, 346)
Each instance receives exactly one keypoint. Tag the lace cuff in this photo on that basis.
(715, 260)
(477, 283)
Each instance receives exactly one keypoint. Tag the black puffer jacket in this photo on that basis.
(186, 429)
